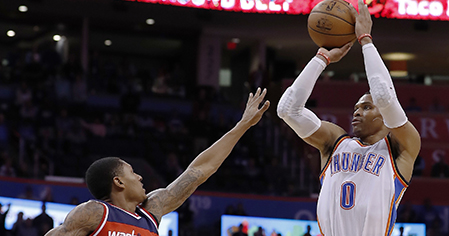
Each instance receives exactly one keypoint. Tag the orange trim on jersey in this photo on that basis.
(389, 218)
(393, 162)
(319, 226)
(343, 137)
(360, 143)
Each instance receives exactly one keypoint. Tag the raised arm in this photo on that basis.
(405, 137)
(291, 106)
(81, 221)
(163, 201)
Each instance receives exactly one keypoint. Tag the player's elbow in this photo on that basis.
(282, 111)
(285, 103)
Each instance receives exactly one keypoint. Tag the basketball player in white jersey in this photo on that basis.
(362, 178)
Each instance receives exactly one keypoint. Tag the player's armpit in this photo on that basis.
(165, 200)
(408, 143)
(324, 138)
(81, 221)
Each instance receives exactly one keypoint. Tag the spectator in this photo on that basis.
(419, 166)
(79, 95)
(413, 106)
(440, 169)
(260, 232)
(3, 218)
(74, 200)
(46, 195)
(436, 106)
(79, 90)
(240, 211)
(62, 88)
(23, 94)
(130, 101)
(29, 111)
(28, 193)
(27, 229)
(113, 127)
(43, 222)
(428, 214)
(173, 169)
(230, 210)
(18, 224)
(406, 213)
(160, 85)
(308, 231)
(240, 231)
(97, 128)
(7, 168)
(4, 132)
(63, 123)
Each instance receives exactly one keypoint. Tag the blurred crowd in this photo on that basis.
(48, 126)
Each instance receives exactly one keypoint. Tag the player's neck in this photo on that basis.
(121, 202)
(374, 138)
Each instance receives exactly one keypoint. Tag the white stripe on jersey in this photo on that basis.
(104, 220)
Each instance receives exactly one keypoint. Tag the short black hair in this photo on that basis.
(100, 174)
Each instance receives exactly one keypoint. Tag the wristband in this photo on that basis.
(328, 61)
(363, 36)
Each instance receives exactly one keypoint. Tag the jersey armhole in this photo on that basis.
(103, 220)
(150, 214)
(337, 142)
(394, 155)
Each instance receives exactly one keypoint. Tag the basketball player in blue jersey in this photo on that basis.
(123, 208)
(362, 178)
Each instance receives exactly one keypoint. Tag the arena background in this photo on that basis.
(157, 94)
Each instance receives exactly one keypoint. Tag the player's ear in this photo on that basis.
(117, 182)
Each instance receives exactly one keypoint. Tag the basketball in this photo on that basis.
(331, 23)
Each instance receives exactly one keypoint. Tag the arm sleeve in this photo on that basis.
(382, 88)
(291, 105)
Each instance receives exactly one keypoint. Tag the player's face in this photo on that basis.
(133, 183)
(367, 119)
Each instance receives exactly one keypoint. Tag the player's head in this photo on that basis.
(100, 175)
(367, 119)
(113, 175)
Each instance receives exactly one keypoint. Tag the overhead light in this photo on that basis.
(23, 8)
(399, 73)
(398, 68)
(56, 37)
(10, 33)
(108, 42)
(398, 56)
(235, 40)
(150, 21)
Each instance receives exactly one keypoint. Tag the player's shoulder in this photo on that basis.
(82, 220)
(91, 209)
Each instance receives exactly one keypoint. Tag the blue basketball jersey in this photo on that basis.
(119, 222)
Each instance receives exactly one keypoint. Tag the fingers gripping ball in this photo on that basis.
(331, 23)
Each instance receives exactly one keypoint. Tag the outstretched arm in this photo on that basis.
(163, 201)
(291, 106)
(404, 135)
(81, 221)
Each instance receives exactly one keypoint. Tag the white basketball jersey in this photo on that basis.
(360, 190)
